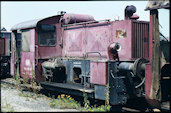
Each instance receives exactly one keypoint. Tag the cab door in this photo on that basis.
(27, 66)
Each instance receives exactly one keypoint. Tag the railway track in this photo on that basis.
(136, 105)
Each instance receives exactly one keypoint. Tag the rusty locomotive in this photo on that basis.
(5, 52)
(5, 38)
(74, 53)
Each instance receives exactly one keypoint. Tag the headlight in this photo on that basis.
(118, 47)
(115, 47)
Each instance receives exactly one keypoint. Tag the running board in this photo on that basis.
(74, 89)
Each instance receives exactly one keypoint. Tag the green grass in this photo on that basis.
(64, 101)
(102, 108)
(67, 102)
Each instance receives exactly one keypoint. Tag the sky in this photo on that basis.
(14, 12)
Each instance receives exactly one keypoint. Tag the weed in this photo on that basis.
(103, 108)
(17, 77)
(107, 104)
(53, 102)
(86, 101)
(64, 101)
(31, 84)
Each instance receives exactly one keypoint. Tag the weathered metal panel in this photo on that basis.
(118, 93)
(140, 39)
(148, 81)
(148, 86)
(74, 42)
(2, 48)
(97, 39)
(27, 66)
(98, 73)
(50, 20)
(122, 33)
(33, 23)
(39, 76)
(26, 24)
(100, 92)
(79, 40)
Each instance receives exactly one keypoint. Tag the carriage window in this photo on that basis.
(25, 40)
(46, 35)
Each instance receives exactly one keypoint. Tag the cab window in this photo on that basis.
(25, 40)
(46, 35)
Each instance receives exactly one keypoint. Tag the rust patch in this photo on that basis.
(120, 33)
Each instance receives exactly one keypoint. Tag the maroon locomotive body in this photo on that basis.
(74, 53)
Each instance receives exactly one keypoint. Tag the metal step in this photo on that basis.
(76, 89)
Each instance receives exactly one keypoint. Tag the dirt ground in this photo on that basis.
(12, 100)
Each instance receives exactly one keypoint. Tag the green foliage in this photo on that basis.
(102, 108)
(25, 78)
(31, 84)
(53, 102)
(64, 101)
(107, 95)
(86, 101)
(17, 77)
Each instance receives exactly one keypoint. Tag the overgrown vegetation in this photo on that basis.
(17, 77)
(86, 101)
(30, 85)
(64, 101)
(94, 108)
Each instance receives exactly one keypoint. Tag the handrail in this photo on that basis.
(100, 56)
(36, 54)
(89, 22)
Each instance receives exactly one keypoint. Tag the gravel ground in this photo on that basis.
(12, 101)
